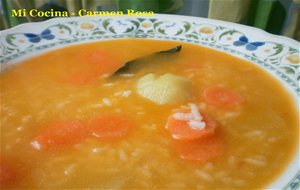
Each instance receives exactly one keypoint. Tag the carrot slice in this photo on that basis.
(59, 134)
(8, 174)
(203, 149)
(181, 130)
(98, 63)
(110, 125)
(101, 61)
(220, 96)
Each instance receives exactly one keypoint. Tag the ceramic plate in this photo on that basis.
(278, 55)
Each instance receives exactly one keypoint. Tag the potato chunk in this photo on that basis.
(165, 89)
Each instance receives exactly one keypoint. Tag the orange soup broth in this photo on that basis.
(259, 136)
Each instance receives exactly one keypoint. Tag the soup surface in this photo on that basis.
(66, 123)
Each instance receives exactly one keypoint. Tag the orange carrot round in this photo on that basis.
(181, 130)
(110, 125)
(101, 61)
(203, 149)
(60, 133)
(220, 96)
(98, 63)
(9, 174)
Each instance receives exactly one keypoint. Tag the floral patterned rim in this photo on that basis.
(278, 55)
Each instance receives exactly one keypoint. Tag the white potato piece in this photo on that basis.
(165, 89)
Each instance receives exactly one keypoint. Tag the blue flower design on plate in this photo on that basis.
(251, 46)
(35, 38)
